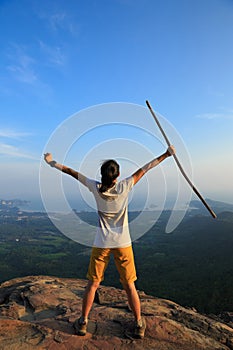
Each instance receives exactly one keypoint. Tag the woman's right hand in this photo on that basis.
(48, 157)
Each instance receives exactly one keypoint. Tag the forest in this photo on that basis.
(192, 266)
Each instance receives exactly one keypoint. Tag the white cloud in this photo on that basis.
(54, 53)
(13, 151)
(22, 65)
(10, 150)
(210, 116)
(58, 20)
(12, 134)
(25, 69)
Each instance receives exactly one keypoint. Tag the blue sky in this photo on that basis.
(60, 57)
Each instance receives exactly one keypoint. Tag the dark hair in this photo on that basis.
(109, 172)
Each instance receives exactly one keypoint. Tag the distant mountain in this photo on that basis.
(217, 206)
(12, 203)
(226, 216)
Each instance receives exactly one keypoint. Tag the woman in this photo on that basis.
(112, 236)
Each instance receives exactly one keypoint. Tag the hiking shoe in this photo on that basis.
(80, 327)
(140, 328)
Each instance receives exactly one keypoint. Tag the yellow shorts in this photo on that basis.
(124, 260)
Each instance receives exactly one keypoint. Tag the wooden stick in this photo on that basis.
(178, 163)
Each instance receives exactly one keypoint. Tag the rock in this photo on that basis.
(38, 312)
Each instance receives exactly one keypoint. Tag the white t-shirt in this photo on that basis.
(112, 206)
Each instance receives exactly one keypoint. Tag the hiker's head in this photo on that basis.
(110, 170)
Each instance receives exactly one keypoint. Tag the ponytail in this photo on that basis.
(109, 172)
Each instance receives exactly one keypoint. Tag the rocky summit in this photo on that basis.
(38, 312)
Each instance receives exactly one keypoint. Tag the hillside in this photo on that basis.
(192, 266)
(37, 312)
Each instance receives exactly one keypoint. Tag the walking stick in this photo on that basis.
(178, 163)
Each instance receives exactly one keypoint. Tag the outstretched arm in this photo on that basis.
(49, 160)
(140, 172)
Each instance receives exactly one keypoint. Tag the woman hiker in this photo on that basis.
(112, 235)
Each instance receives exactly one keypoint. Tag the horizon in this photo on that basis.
(36, 205)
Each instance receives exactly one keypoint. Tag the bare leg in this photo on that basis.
(133, 299)
(88, 298)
